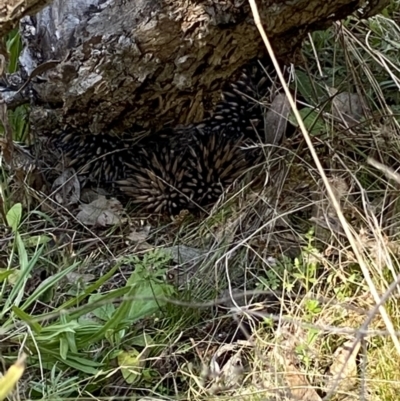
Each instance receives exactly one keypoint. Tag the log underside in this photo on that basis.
(117, 64)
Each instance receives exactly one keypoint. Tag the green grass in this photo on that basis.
(99, 316)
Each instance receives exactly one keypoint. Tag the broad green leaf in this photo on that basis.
(148, 294)
(14, 216)
(131, 364)
(151, 302)
(142, 300)
(105, 311)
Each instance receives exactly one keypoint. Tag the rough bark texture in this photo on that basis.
(115, 64)
(11, 11)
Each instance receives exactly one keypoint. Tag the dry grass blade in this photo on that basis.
(389, 172)
(354, 243)
(11, 378)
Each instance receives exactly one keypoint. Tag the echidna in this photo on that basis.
(102, 157)
(183, 168)
(189, 174)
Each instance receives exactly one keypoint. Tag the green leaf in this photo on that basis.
(6, 273)
(44, 216)
(47, 284)
(82, 364)
(74, 361)
(131, 364)
(37, 328)
(85, 361)
(141, 340)
(63, 348)
(14, 216)
(148, 289)
(22, 254)
(36, 240)
(312, 120)
(150, 293)
(56, 330)
(112, 295)
(116, 320)
(69, 336)
(104, 312)
(93, 287)
(142, 300)
(17, 292)
(14, 47)
(311, 92)
(19, 122)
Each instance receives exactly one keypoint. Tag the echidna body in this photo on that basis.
(156, 180)
(189, 176)
(183, 168)
(101, 157)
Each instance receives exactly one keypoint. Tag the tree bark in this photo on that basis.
(115, 64)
